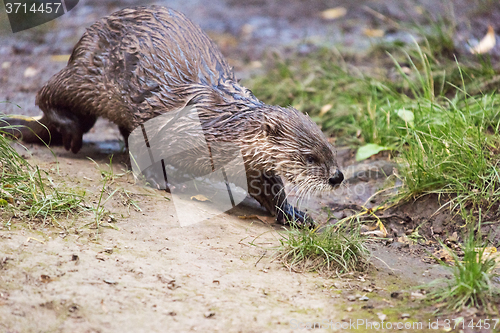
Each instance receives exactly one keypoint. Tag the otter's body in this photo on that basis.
(139, 63)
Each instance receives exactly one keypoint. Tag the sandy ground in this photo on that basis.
(142, 271)
(149, 274)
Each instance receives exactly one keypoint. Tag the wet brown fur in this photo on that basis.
(139, 63)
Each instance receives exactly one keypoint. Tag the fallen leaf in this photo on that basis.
(262, 218)
(416, 295)
(248, 217)
(333, 13)
(374, 32)
(487, 250)
(443, 255)
(490, 252)
(407, 116)
(60, 58)
(30, 72)
(325, 109)
(381, 316)
(45, 278)
(6, 196)
(376, 233)
(200, 197)
(368, 150)
(486, 44)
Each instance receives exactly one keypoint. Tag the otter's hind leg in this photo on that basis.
(269, 191)
(71, 125)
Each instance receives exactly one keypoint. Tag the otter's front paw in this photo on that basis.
(291, 215)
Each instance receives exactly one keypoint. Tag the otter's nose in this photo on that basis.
(337, 178)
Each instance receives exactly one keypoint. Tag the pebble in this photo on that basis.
(396, 294)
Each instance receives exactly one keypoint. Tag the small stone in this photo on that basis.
(381, 316)
(108, 250)
(454, 237)
(405, 315)
(110, 281)
(30, 72)
(351, 298)
(209, 314)
(395, 294)
(349, 309)
(416, 295)
(364, 298)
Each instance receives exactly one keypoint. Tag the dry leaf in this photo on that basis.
(30, 72)
(490, 252)
(486, 44)
(416, 295)
(60, 58)
(333, 13)
(443, 255)
(200, 197)
(374, 32)
(262, 218)
(381, 316)
(248, 217)
(45, 278)
(376, 233)
(6, 196)
(324, 109)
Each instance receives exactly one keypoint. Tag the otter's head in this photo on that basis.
(300, 151)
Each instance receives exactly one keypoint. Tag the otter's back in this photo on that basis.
(134, 64)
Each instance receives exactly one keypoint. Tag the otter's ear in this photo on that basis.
(271, 129)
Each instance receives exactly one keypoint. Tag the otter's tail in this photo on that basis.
(30, 129)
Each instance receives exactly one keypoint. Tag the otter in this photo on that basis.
(139, 63)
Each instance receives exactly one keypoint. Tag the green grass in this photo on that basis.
(471, 284)
(27, 191)
(416, 105)
(337, 248)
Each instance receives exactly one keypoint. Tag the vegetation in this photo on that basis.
(439, 118)
(30, 192)
(420, 108)
(472, 277)
(337, 249)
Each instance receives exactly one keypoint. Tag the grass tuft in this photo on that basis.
(27, 191)
(472, 279)
(336, 249)
(445, 138)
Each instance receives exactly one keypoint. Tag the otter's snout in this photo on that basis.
(337, 178)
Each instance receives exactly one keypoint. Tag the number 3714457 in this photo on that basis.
(24, 8)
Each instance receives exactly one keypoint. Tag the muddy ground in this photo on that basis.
(141, 271)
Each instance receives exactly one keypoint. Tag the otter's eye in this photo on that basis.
(311, 159)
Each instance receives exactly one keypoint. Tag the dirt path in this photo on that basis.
(151, 275)
(142, 272)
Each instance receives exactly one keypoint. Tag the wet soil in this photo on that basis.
(141, 271)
